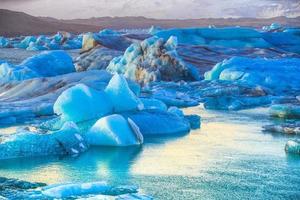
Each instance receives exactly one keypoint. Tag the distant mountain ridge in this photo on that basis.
(14, 23)
(18, 23)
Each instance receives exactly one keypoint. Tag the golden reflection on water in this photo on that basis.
(215, 142)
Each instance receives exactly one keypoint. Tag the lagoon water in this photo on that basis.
(228, 158)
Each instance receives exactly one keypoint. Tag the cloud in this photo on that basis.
(69, 9)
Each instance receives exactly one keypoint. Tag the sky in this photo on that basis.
(166, 9)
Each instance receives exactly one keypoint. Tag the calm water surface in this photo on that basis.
(228, 158)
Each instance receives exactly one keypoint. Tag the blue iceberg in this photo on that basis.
(114, 130)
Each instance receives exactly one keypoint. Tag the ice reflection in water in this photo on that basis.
(228, 158)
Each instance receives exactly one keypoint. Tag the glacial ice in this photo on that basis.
(293, 146)
(61, 40)
(120, 95)
(114, 130)
(45, 64)
(27, 143)
(278, 75)
(81, 189)
(285, 111)
(157, 122)
(235, 37)
(81, 103)
(30, 99)
(97, 58)
(150, 103)
(153, 60)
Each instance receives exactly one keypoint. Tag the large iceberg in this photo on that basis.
(278, 75)
(114, 130)
(154, 59)
(81, 103)
(45, 64)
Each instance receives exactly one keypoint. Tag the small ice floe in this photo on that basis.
(293, 146)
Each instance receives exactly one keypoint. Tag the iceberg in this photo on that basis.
(28, 143)
(285, 128)
(45, 64)
(158, 123)
(4, 43)
(293, 146)
(234, 37)
(83, 189)
(120, 95)
(278, 75)
(285, 111)
(153, 60)
(114, 130)
(96, 58)
(81, 103)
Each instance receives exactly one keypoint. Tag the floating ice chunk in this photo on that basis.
(285, 111)
(81, 189)
(81, 103)
(153, 60)
(97, 58)
(45, 64)
(67, 140)
(286, 128)
(157, 122)
(195, 121)
(274, 74)
(50, 63)
(120, 95)
(4, 42)
(114, 130)
(150, 103)
(228, 37)
(293, 146)
(25, 42)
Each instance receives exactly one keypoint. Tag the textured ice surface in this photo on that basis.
(285, 111)
(157, 122)
(293, 146)
(61, 40)
(30, 99)
(236, 37)
(77, 189)
(228, 37)
(97, 58)
(114, 130)
(153, 60)
(45, 64)
(278, 75)
(26, 143)
(150, 103)
(120, 95)
(81, 103)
